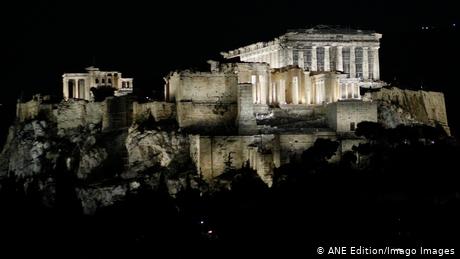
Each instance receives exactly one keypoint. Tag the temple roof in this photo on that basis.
(331, 29)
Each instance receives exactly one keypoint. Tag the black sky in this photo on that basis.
(147, 39)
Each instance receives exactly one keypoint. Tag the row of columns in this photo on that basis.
(259, 91)
(276, 91)
(75, 88)
(349, 91)
(276, 60)
(339, 60)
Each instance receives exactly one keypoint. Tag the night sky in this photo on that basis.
(147, 39)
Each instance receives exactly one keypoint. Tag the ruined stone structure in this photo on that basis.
(264, 111)
(281, 97)
(270, 106)
(321, 49)
(78, 85)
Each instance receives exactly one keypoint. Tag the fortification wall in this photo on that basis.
(32, 109)
(220, 153)
(303, 110)
(206, 87)
(118, 113)
(158, 110)
(112, 114)
(216, 154)
(206, 116)
(344, 116)
(74, 113)
(246, 120)
(205, 101)
(291, 146)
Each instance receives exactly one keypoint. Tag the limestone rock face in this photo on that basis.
(93, 198)
(34, 149)
(39, 154)
(402, 106)
(392, 115)
(91, 159)
(154, 148)
(36, 154)
(27, 150)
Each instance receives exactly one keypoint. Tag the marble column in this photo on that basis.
(87, 88)
(339, 58)
(376, 68)
(254, 88)
(290, 57)
(301, 60)
(281, 92)
(263, 89)
(365, 63)
(352, 91)
(308, 90)
(314, 61)
(65, 85)
(352, 62)
(327, 60)
(295, 90)
(77, 84)
(279, 58)
(272, 59)
(259, 89)
(72, 92)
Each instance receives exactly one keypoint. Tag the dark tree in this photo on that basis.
(320, 152)
(370, 130)
(102, 92)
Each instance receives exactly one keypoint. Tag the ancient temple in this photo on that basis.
(335, 62)
(78, 85)
(280, 96)
(268, 107)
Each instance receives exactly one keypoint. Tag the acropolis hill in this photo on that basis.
(264, 110)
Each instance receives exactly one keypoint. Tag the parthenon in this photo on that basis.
(354, 52)
(350, 58)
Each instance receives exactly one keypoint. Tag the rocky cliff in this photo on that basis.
(68, 146)
(90, 152)
(402, 106)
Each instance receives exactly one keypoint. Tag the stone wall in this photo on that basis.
(205, 101)
(216, 154)
(293, 145)
(112, 114)
(207, 117)
(246, 119)
(423, 106)
(344, 116)
(158, 110)
(31, 110)
(303, 110)
(76, 113)
(118, 114)
(204, 86)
